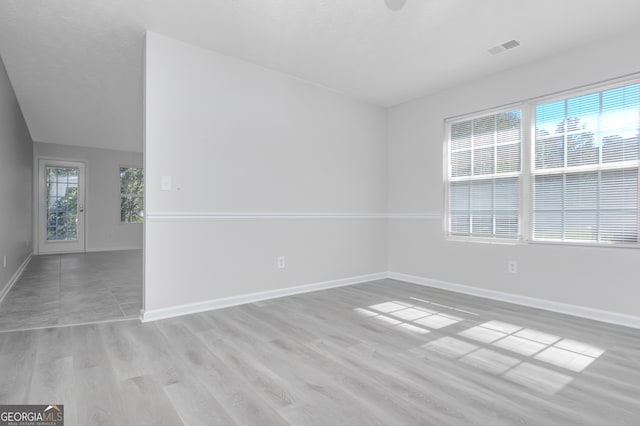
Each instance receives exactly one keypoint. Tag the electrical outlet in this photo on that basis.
(512, 267)
(281, 263)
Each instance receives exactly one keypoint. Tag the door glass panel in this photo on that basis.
(62, 203)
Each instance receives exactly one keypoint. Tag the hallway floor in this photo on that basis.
(73, 289)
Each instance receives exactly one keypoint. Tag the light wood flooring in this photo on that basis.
(380, 353)
(74, 289)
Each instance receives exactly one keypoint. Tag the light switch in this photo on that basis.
(166, 183)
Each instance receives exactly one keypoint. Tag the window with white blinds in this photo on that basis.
(581, 177)
(484, 162)
(585, 168)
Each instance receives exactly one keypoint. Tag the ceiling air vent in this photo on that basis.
(504, 46)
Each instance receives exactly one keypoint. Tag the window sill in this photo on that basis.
(478, 240)
(584, 244)
(539, 242)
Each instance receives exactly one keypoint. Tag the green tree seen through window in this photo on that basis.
(131, 194)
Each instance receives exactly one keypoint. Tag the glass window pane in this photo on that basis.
(548, 191)
(461, 163)
(131, 194)
(62, 201)
(599, 127)
(507, 224)
(483, 161)
(549, 152)
(619, 189)
(482, 195)
(550, 118)
(61, 175)
(486, 146)
(506, 193)
(583, 113)
(581, 191)
(581, 225)
(613, 149)
(482, 224)
(631, 149)
(582, 149)
(508, 158)
(508, 127)
(619, 226)
(460, 223)
(547, 225)
(461, 135)
(459, 196)
(484, 131)
(620, 112)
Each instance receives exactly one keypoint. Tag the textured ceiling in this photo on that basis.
(76, 65)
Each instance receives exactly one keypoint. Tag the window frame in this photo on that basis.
(527, 171)
(120, 194)
(448, 123)
(564, 95)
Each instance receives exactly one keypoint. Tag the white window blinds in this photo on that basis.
(484, 176)
(585, 168)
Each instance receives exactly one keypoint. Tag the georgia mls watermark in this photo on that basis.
(32, 415)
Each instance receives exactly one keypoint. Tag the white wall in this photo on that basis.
(16, 152)
(237, 138)
(601, 278)
(103, 231)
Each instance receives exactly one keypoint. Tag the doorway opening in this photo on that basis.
(61, 217)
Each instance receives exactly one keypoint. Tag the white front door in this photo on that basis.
(61, 214)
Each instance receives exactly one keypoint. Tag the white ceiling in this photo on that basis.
(76, 65)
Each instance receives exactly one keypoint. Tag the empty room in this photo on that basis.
(322, 212)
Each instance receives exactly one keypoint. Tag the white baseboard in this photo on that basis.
(563, 308)
(192, 308)
(15, 277)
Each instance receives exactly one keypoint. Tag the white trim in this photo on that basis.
(548, 305)
(582, 243)
(217, 216)
(619, 165)
(485, 176)
(119, 248)
(483, 113)
(214, 216)
(532, 302)
(426, 216)
(208, 305)
(14, 278)
(483, 240)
